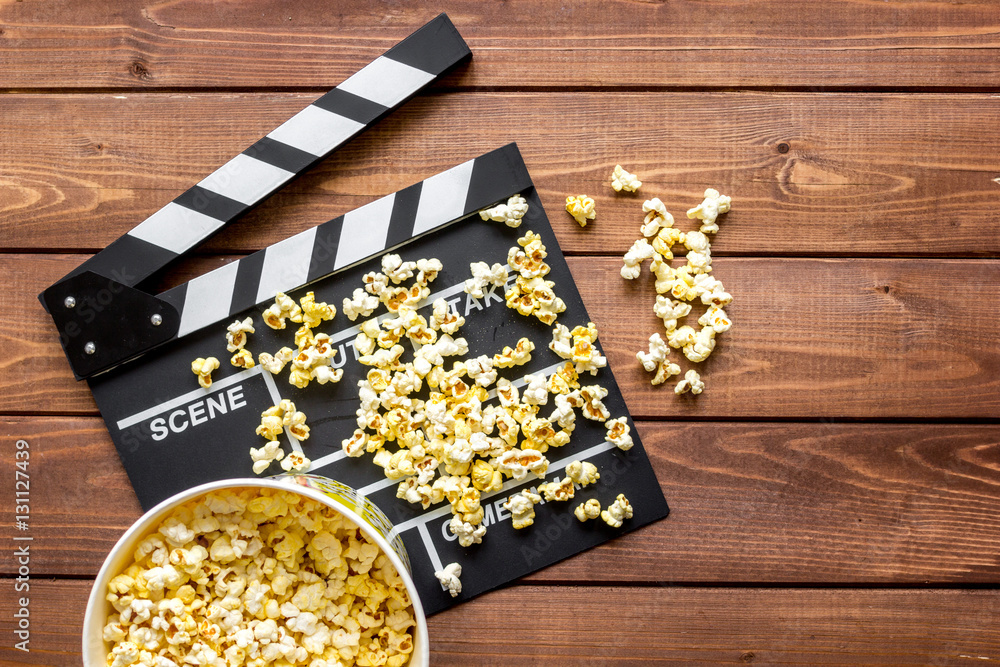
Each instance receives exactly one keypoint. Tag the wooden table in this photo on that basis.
(835, 490)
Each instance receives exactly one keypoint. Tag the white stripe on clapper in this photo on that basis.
(316, 131)
(386, 81)
(206, 296)
(364, 231)
(442, 197)
(246, 179)
(286, 265)
(175, 228)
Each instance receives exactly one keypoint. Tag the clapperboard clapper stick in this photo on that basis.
(104, 320)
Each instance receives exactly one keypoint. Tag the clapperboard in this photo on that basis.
(135, 349)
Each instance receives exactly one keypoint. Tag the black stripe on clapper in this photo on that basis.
(247, 281)
(496, 176)
(434, 48)
(404, 214)
(126, 260)
(280, 155)
(212, 204)
(351, 106)
(325, 245)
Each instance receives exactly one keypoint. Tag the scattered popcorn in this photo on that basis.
(664, 371)
(715, 318)
(520, 355)
(522, 508)
(396, 270)
(324, 374)
(710, 209)
(583, 353)
(284, 307)
(482, 275)
(361, 304)
(588, 510)
(699, 255)
(701, 345)
(263, 456)
(593, 407)
(656, 217)
(467, 533)
(583, 473)
(658, 351)
(295, 462)
(510, 213)
(581, 208)
(535, 391)
(640, 250)
(313, 313)
(203, 369)
(691, 382)
(275, 364)
(243, 359)
(445, 319)
(276, 578)
(622, 180)
(557, 490)
(236, 334)
(670, 311)
(618, 433)
(449, 578)
(617, 512)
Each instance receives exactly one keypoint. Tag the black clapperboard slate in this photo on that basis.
(135, 349)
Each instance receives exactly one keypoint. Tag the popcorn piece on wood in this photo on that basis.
(710, 209)
(622, 180)
(691, 382)
(581, 207)
(656, 217)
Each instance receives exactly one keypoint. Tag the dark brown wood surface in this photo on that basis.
(835, 492)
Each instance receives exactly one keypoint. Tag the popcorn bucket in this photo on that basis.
(345, 500)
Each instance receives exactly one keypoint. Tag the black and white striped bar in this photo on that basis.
(342, 242)
(287, 151)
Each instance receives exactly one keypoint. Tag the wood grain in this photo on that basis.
(194, 43)
(751, 503)
(810, 174)
(616, 626)
(856, 339)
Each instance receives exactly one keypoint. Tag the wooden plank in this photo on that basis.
(856, 339)
(810, 174)
(677, 625)
(760, 503)
(102, 43)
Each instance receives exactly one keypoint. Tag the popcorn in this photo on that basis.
(324, 374)
(284, 307)
(588, 510)
(583, 473)
(243, 359)
(449, 578)
(275, 364)
(395, 269)
(622, 180)
(701, 345)
(670, 311)
(666, 239)
(264, 456)
(444, 319)
(658, 351)
(691, 382)
(656, 217)
(710, 209)
(617, 512)
(427, 270)
(280, 573)
(581, 207)
(699, 255)
(467, 533)
(664, 371)
(295, 461)
(640, 250)
(557, 490)
(716, 319)
(510, 213)
(618, 433)
(582, 351)
(520, 355)
(529, 261)
(535, 393)
(203, 369)
(517, 463)
(481, 371)
(236, 334)
(564, 380)
(593, 407)
(360, 305)
(482, 275)
(522, 508)
(710, 291)
(485, 478)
